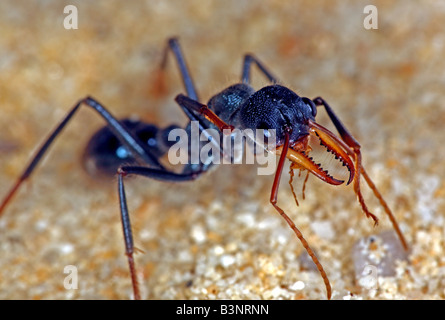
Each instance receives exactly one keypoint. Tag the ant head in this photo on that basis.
(278, 108)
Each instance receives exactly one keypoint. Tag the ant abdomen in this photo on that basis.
(105, 153)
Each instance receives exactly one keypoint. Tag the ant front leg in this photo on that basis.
(274, 200)
(353, 144)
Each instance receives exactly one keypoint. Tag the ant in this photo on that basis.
(129, 147)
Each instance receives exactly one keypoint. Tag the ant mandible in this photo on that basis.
(124, 146)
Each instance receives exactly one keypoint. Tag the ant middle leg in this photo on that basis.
(247, 64)
(187, 80)
(153, 173)
(160, 174)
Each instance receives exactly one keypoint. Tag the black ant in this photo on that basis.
(124, 146)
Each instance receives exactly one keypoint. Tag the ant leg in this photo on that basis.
(190, 104)
(173, 45)
(247, 63)
(274, 200)
(201, 109)
(116, 127)
(355, 146)
(157, 174)
(190, 88)
(341, 128)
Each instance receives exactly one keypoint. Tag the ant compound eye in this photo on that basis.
(311, 105)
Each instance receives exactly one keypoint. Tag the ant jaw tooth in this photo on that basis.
(335, 146)
(303, 161)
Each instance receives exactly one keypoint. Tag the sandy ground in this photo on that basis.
(219, 237)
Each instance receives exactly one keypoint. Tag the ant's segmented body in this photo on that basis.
(134, 148)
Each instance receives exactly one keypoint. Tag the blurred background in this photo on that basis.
(219, 237)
